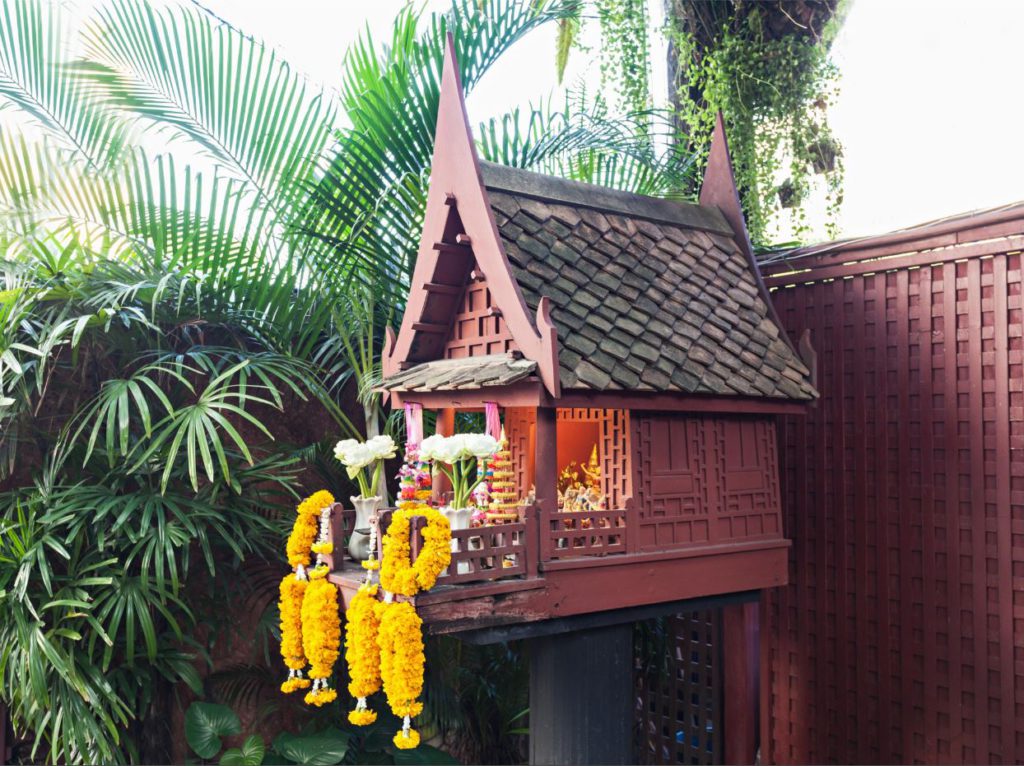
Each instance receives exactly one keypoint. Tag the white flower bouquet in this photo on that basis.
(457, 456)
(364, 460)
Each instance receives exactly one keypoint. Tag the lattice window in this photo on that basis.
(705, 479)
(613, 449)
(520, 427)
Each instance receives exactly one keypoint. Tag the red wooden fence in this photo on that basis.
(901, 636)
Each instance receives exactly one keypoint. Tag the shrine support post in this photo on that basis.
(581, 697)
(741, 681)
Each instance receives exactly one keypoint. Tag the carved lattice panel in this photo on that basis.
(520, 425)
(670, 475)
(478, 327)
(748, 470)
(616, 478)
(707, 479)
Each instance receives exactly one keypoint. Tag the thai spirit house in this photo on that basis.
(624, 339)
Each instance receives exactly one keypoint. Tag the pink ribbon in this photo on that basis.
(413, 424)
(492, 419)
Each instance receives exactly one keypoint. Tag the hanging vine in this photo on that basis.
(773, 86)
(625, 55)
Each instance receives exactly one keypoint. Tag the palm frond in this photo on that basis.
(182, 69)
(35, 53)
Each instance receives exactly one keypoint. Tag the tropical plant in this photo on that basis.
(207, 724)
(766, 68)
(177, 328)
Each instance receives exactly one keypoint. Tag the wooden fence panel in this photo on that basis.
(900, 638)
(680, 712)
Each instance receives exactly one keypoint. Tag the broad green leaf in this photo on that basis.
(206, 723)
(423, 754)
(250, 754)
(324, 749)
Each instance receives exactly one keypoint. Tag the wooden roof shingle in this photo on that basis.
(646, 294)
(462, 374)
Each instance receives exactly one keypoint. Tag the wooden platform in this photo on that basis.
(588, 584)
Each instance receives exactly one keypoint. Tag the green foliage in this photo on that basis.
(476, 699)
(316, 745)
(206, 723)
(251, 753)
(163, 330)
(322, 749)
(625, 52)
(773, 92)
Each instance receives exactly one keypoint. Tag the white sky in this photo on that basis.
(927, 112)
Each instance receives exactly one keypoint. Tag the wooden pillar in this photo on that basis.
(446, 427)
(581, 697)
(545, 472)
(741, 681)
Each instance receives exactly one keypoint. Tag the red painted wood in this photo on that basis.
(899, 638)
(457, 204)
(598, 586)
(741, 673)
(585, 533)
(546, 472)
(704, 480)
(476, 330)
(520, 428)
(904, 261)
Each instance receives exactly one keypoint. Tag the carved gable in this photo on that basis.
(478, 327)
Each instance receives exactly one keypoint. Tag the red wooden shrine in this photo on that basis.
(602, 323)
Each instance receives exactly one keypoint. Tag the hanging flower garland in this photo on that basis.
(384, 641)
(321, 635)
(397, 573)
(304, 531)
(294, 584)
(290, 606)
(310, 624)
(361, 652)
(402, 661)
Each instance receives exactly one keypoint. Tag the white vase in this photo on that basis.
(359, 540)
(458, 518)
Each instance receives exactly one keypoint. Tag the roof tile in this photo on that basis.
(640, 303)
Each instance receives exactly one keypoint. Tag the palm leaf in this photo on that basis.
(234, 97)
(34, 53)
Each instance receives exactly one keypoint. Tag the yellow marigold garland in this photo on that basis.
(321, 637)
(293, 586)
(400, 638)
(384, 641)
(304, 531)
(397, 574)
(362, 620)
(290, 606)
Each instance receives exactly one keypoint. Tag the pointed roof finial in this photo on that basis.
(719, 190)
(453, 134)
(719, 186)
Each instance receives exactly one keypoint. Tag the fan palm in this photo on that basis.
(159, 312)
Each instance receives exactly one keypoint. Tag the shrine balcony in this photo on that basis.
(562, 564)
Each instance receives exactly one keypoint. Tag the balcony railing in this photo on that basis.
(508, 551)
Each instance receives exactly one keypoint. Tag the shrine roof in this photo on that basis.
(462, 374)
(646, 294)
